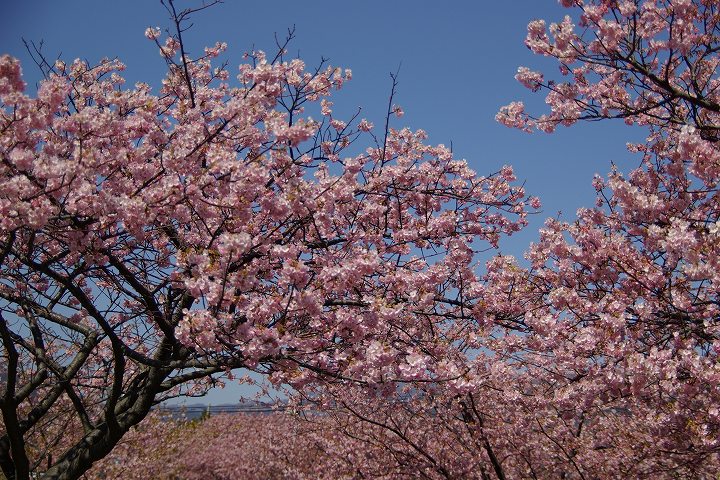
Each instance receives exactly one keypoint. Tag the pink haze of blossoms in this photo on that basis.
(153, 243)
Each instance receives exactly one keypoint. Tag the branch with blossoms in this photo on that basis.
(647, 63)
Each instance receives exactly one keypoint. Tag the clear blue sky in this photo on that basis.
(458, 62)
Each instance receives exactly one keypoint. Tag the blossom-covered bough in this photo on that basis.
(152, 243)
(649, 63)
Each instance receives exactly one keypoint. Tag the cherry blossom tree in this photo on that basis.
(150, 244)
(615, 326)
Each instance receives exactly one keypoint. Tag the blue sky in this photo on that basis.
(457, 62)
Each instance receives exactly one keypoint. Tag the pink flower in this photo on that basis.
(514, 116)
(152, 32)
(10, 75)
(325, 107)
(365, 126)
(530, 79)
(506, 172)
